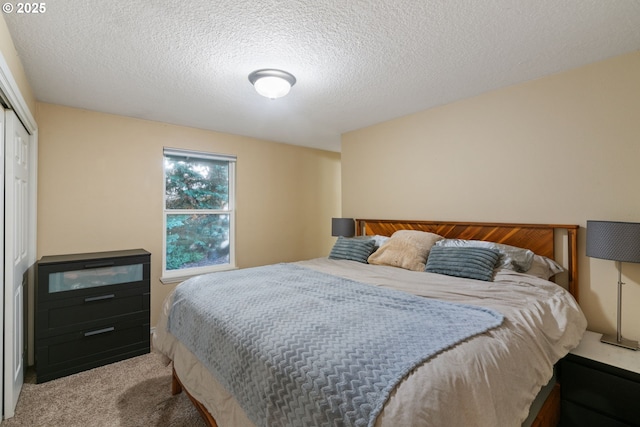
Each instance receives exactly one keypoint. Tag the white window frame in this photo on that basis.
(173, 276)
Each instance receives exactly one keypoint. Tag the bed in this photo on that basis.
(499, 376)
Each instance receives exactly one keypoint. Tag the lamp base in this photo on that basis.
(624, 343)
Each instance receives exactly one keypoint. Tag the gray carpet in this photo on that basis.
(131, 393)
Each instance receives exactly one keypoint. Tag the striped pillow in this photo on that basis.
(468, 262)
(511, 257)
(352, 249)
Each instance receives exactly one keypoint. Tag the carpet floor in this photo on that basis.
(134, 392)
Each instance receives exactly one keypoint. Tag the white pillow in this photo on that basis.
(379, 240)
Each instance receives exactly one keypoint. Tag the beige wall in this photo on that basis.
(8, 51)
(100, 183)
(562, 149)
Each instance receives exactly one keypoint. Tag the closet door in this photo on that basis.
(2, 133)
(16, 249)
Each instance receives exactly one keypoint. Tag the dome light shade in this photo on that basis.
(272, 83)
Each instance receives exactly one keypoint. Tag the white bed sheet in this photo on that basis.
(488, 380)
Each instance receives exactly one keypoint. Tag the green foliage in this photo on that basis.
(196, 183)
(196, 239)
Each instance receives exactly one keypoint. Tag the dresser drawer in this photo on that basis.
(573, 415)
(601, 388)
(64, 281)
(61, 277)
(75, 314)
(74, 352)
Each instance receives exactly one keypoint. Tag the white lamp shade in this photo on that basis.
(272, 87)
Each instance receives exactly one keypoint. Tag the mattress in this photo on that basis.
(488, 380)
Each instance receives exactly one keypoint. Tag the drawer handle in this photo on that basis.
(100, 331)
(99, 264)
(100, 298)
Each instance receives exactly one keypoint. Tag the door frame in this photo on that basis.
(10, 95)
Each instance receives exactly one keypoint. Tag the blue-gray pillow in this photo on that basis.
(471, 263)
(352, 249)
(511, 257)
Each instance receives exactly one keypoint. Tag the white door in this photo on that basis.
(2, 130)
(16, 250)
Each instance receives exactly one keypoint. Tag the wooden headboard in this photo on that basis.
(537, 237)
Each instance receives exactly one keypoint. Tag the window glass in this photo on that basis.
(198, 212)
(196, 183)
(197, 240)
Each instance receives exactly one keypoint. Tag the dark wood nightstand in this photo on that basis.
(600, 385)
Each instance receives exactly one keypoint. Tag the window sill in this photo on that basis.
(178, 279)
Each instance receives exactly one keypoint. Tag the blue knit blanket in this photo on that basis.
(297, 347)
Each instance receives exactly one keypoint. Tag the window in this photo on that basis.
(199, 210)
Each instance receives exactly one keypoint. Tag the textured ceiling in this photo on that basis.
(356, 62)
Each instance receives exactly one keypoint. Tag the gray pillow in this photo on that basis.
(512, 257)
(468, 262)
(544, 267)
(352, 249)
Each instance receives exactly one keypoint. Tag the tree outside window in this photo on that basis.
(198, 212)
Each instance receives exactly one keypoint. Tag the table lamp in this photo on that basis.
(620, 242)
(345, 227)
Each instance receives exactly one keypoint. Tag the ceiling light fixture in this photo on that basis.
(272, 83)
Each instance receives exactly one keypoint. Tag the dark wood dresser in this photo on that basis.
(90, 310)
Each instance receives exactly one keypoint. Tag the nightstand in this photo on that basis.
(600, 385)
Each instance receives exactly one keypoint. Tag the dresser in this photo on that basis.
(90, 310)
(600, 385)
